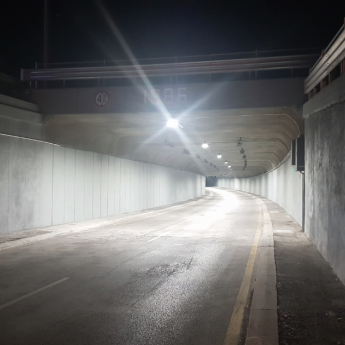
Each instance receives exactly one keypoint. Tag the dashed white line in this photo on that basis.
(155, 238)
(32, 293)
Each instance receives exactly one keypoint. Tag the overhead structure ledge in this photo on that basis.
(168, 69)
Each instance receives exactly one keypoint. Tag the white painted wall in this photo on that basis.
(282, 186)
(42, 185)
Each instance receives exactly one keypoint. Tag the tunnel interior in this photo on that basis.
(100, 195)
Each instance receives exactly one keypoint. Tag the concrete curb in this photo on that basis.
(263, 319)
(71, 228)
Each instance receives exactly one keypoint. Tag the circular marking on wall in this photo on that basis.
(101, 99)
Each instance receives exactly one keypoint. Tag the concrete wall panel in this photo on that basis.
(69, 185)
(88, 185)
(325, 187)
(58, 185)
(117, 183)
(19, 209)
(43, 184)
(32, 172)
(104, 185)
(111, 186)
(4, 183)
(126, 182)
(79, 201)
(46, 185)
(133, 185)
(96, 194)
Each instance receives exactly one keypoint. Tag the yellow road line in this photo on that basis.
(233, 333)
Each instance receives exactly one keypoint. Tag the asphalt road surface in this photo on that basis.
(168, 277)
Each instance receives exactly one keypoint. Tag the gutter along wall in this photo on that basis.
(43, 184)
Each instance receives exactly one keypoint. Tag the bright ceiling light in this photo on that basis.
(219, 155)
(204, 145)
(226, 162)
(229, 166)
(172, 123)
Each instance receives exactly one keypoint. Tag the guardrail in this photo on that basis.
(171, 69)
(331, 57)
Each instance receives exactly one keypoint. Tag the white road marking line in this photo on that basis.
(153, 239)
(232, 225)
(32, 293)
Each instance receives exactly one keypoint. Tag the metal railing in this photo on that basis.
(234, 65)
(330, 58)
(188, 58)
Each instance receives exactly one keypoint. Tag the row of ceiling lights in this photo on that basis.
(173, 123)
(205, 145)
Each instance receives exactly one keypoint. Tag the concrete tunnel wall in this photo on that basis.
(281, 185)
(43, 185)
(325, 182)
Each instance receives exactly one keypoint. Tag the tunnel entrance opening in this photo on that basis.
(211, 181)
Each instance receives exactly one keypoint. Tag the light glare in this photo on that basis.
(219, 156)
(172, 123)
(204, 145)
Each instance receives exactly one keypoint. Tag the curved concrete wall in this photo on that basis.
(282, 186)
(43, 184)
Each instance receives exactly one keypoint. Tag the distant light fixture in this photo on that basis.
(168, 143)
(226, 162)
(219, 155)
(172, 123)
(204, 145)
(240, 142)
(229, 166)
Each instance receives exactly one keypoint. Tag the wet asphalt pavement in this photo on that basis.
(169, 277)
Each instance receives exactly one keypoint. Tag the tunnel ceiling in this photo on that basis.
(265, 114)
(266, 134)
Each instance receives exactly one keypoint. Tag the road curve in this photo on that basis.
(170, 277)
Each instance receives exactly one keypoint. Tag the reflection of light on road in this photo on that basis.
(227, 203)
